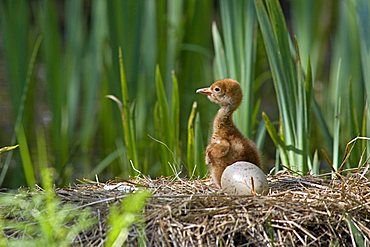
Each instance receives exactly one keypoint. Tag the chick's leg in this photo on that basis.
(215, 154)
(216, 173)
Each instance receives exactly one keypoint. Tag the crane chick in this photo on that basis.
(227, 145)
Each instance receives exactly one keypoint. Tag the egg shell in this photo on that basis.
(237, 179)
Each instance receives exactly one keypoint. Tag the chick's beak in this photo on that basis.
(205, 91)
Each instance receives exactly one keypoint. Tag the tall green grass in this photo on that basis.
(293, 88)
(78, 68)
(155, 131)
(340, 117)
(362, 8)
(57, 89)
(19, 70)
(151, 44)
(235, 56)
(15, 28)
(346, 73)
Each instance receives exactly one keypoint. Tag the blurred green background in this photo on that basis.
(305, 64)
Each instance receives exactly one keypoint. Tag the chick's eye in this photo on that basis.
(217, 89)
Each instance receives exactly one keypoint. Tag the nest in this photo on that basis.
(298, 211)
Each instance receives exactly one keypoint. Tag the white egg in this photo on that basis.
(244, 178)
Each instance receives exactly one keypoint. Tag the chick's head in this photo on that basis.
(225, 93)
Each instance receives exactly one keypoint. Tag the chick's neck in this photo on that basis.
(223, 123)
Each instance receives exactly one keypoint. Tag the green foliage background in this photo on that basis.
(305, 64)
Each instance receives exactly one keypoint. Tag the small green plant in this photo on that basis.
(195, 163)
(166, 123)
(124, 215)
(357, 236)
(39, 218)
(127, 118)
